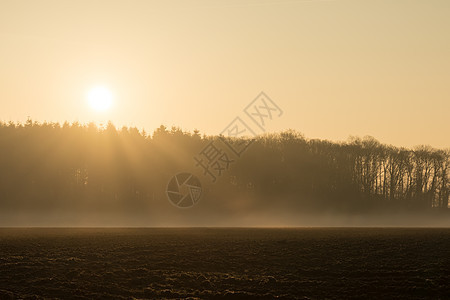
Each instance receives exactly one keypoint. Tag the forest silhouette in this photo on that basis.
(78, 168)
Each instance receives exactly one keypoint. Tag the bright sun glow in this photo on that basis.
(100, 98)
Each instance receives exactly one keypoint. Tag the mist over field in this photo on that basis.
(237, 219)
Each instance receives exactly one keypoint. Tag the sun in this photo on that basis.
(100, 98)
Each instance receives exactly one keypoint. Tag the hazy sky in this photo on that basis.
(336, 68)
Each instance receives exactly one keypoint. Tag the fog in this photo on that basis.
(173, 217)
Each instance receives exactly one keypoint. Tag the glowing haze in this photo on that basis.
(337, 68)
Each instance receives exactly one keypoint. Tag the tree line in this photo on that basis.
(83, 167)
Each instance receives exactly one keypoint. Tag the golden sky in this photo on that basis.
(336, 68)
